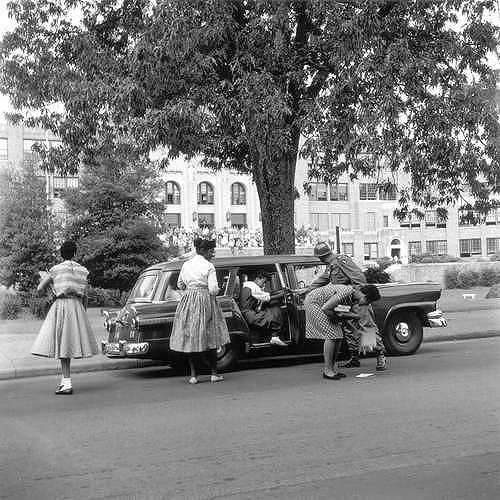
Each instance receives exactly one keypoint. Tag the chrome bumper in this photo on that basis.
(436, 319)
(122, 348)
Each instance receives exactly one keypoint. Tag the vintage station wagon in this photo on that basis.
(141, 329)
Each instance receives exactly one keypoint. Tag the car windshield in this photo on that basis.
(144, 287)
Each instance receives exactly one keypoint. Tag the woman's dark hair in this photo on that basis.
(202, 245)
(371, 292)
(68, 249)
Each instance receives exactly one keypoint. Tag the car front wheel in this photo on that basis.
(403, 334)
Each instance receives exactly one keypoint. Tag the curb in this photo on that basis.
(107, 365)
(127, 364)
(464, 336)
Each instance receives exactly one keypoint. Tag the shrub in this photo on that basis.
(10, 303)
(495, 257)
(102, 297)
(384, 262)
(124, 297)
(39, 306)
(468, 278)
(376, 275)
(489, 276)
(450, 277)
(427, 258)
(494, 292)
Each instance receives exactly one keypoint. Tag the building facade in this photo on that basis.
(16, 144)
(196, 197)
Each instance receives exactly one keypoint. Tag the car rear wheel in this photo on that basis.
(403, 334)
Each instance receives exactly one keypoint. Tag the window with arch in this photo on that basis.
(238, 194)
(205, 193)
(173, 193)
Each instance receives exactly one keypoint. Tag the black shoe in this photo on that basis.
(63, 392)
(337, 376)
(341, 375)
(352, 363)
(381, 368)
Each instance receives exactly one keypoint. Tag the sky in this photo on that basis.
(6, 24)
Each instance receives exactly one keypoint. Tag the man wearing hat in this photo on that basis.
(341, 269)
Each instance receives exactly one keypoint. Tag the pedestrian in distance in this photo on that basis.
(341, 269)
(199, 325)
(66, 332)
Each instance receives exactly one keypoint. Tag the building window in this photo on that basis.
(411, 220)
(205, 193)
(348, 249)
(342, 220)
(29, 155)
(371, 224)
(238, 194)
(370, 251)
(368, 191)
(414, 248)
(317, 191)
(173, 220)
(385, 221)
(492, 245)
(387, 192)
(172, 193)
(437, 247)
(4, 149)
(319, 221)
(63, 183)
(339, 192)
(238, 220)
(469, 218)
(493, 217)
(206, 220)
(430, 218)
(469, 247)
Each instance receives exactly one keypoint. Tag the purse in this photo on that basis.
(367, 342)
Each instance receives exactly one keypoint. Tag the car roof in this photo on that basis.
(244, 260)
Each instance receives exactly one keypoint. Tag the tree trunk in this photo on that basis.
(276, 188)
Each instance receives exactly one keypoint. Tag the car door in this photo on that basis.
(299, 277)
(296, 324)
(225, 278)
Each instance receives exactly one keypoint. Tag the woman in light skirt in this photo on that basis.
(66, 332)
(199, 325)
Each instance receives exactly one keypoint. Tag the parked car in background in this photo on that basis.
(142, 328)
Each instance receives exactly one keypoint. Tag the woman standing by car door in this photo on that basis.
(199, 325)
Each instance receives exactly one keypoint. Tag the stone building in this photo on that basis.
(361, 209)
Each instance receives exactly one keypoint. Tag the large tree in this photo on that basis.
(115, 215)
(354, 86)
(26, 228)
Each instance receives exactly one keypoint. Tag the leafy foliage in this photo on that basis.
(376, 275)
(26, 232)
(383, 87)
(10, 303)
(115, 258)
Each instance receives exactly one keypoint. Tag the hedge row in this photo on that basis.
(12, 302)
(457, 277)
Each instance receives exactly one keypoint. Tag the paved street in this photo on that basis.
(426, 429)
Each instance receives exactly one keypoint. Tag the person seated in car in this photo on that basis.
(258, 309)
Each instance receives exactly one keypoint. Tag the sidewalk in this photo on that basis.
(467, 318)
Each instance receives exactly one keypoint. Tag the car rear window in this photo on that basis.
(144, 287)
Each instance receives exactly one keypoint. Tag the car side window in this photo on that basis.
(306, 273)
(223, 280)
(172, 292)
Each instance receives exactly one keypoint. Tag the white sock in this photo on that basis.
(66, 383)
